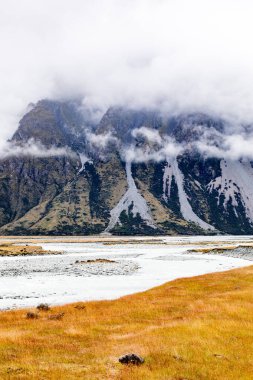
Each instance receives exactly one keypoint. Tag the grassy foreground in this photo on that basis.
(197, 328)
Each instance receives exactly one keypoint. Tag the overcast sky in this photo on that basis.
(183, 55)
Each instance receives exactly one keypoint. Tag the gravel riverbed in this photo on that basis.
(97, 271)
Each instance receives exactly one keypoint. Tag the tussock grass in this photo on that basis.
(221, 249)
(195, 328)
(10, 249)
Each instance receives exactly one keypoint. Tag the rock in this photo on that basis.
(31, 315)
(131, 359)
(95, 261)
(43, 307)
(56, 317)
(80, 307)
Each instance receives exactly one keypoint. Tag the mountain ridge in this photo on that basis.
(99, 189)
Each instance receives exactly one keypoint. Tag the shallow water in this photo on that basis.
(58, 279)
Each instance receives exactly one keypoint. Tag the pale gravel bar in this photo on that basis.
(137, 264)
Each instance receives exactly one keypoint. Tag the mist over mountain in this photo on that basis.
(179, 57)
(132, 172)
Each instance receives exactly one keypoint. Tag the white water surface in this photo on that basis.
(58, 279)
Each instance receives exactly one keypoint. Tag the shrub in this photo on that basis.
(56, 317)
(31, 315)
(43, 307)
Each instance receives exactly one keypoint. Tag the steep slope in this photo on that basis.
(233, 190)
(121, 122)
(27, 181)
(81, 191)
(60, 124)
(131, 203)
(170, 171)
(80, 207)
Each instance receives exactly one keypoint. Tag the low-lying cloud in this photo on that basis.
(34, 149)
(150, 145)
(233, 147)
(178, 56)
(101, 141)
(155, 148)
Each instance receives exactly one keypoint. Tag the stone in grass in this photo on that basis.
(80, 307)
(56, 317)
(31, 315)
(131, 359)
(43, 307)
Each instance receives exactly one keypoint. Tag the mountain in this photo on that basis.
(97, 186)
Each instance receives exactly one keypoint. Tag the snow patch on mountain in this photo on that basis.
(132, 198)
(83, 159)
(167, 181)
(235, 182)
(171, 170)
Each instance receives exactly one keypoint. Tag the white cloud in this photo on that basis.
(232, 147)
(33, 148)
(179, 55)
(156, 147)
(146, 154)
(101, 141)
(149, 134)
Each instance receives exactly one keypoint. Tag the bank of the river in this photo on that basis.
(244, 252)
(11, 249)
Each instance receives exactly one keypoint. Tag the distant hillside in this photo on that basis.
(86, 192)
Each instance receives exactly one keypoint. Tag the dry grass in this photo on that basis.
(107, 240)
(197, 329)
(95, 261)
(221, 249)
(9, 249)
(218, 249)
(112, 240)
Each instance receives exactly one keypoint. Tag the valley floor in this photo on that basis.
(193, 328)
(98, 268)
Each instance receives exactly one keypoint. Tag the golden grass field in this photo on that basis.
(194, 328)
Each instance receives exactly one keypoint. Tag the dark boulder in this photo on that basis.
(131, 359)
(31, 315)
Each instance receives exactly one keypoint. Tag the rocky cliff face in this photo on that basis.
(95, 188)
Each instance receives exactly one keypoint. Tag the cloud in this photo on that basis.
(136, 154)
(150, 145)
(155, 148)
(101, 141)
(149, 134)
(179, 56)
(233, 147)
(33, 148)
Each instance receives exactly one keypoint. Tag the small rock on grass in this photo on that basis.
(80, 307)
(31, 315)
(56, 317)
(131, 359)
(43, 307)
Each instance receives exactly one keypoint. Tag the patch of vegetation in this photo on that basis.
(131, 224)
(174, 228)
(191, 328)
(9, 249)
(97, 207)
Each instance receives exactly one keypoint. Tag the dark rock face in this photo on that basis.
(52, 123)
(121, 122)
(131, 359)
(65, 195)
